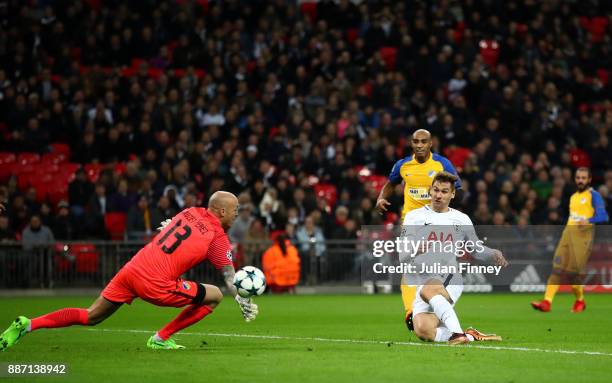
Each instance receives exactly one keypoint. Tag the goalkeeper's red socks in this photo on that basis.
(60, 318)
(192, 314)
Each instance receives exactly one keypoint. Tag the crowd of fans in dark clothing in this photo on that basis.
(265, 100)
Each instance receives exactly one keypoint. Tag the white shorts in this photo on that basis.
(420, 306)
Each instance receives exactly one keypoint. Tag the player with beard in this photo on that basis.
(586, 208)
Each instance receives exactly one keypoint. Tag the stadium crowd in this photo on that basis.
(271, 100)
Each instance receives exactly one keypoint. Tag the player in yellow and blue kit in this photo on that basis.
(417, 172)
(574, 249)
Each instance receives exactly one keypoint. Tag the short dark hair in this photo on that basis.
(584, 169)
(445, 177)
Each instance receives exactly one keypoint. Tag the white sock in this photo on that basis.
(445, 312)
(157, 338)
(29, 328)
(442, 334)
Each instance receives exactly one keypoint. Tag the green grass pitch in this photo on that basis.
(347, 338)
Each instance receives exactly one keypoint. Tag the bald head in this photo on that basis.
(421, 144)
(221, 199)
(224, 205)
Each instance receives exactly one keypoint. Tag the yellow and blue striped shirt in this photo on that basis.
(417, 179)
(588, 205)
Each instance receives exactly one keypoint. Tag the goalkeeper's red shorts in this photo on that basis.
(127, 285)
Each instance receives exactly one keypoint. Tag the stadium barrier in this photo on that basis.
(94, 263)
(329, 263)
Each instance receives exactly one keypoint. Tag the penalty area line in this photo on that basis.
(362, 341)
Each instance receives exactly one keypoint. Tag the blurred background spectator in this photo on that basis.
(299, 113)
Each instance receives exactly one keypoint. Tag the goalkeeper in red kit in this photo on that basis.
(154, 275)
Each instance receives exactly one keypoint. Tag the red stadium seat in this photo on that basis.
(389, 55)
(120, 168)
(47, 168)
(351, 35)
(115, 224)
(8, 170)
(67, 171)
(42, 185)
(25, 180)
(309, 10)
(489, 50)
(603, 75)
(57, 191)
(362, 172)
(86, 257)
(204, 5)
(598, 28)
(7, 164)
(7, 158)
(93, 171)
(377, 181)
(60, 147)
(54, 158)
(61, 263)
(327, 192)
(579, 158)
(75, 53)
(457, 155)
(28, 158)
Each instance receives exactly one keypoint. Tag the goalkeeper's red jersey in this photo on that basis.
(193, 235)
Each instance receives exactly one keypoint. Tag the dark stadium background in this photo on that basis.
(301, 109)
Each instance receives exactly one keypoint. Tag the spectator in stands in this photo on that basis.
(79, 192)
(310, 101)
(281, 265)
(174, 198)
(122, 199)
(272, 210)
(310, 238)
(238, 232)
(7, 234)
(36, 235)
(256, 241)
(139, 224)
(31, 201)
(163, 211)
(19, 215)
(63, 227)
(96, 209)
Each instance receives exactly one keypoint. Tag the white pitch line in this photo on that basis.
(358, 341)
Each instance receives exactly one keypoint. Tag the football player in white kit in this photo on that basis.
(438, 291)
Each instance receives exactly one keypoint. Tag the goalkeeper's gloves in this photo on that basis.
(248, 308)
(163, 224)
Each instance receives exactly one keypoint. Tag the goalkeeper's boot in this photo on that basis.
(542, 305)
(409, 322)
(168, 344)
(458, 338)
(479, 336)
(14, 332)
(579, 306)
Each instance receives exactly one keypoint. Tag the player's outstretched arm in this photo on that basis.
(247, 306)
(484, 254)
(499, 259)
(382, 201)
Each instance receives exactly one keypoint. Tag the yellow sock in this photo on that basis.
(578, 292)
(552, 287)
(408, 294)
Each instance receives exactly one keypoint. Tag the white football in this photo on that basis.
(250, 281)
